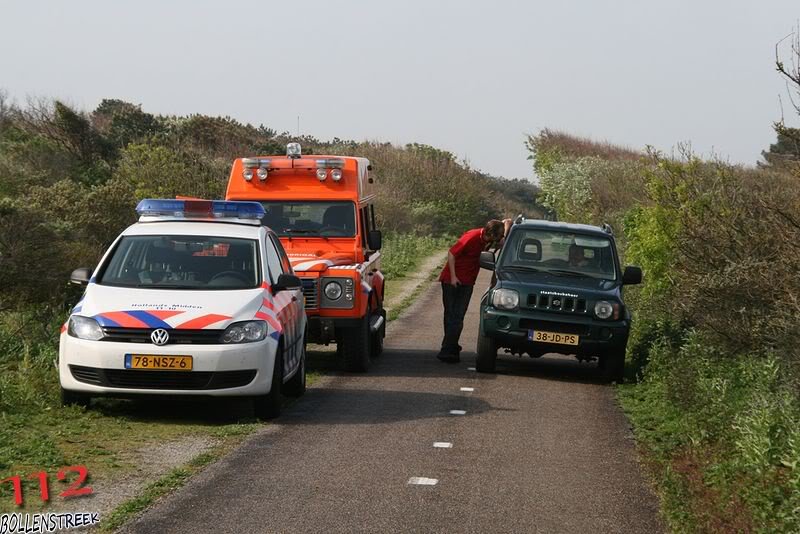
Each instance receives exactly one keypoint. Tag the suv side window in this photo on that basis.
(273, 261)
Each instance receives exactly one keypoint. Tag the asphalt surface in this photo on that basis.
(542, 447)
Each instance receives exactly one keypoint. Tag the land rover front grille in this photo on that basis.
(311, 292)
(554, 302)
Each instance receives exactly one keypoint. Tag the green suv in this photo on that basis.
(558, 288)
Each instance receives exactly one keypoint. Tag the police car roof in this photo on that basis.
(558, 226)
(195, 227)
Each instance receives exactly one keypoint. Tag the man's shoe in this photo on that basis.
(448, 358)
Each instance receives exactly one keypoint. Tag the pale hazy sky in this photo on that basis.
(469, 77)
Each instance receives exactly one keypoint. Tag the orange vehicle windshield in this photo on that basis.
(309, 218)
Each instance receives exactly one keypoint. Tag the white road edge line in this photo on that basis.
(458, 412)
(422, 481)
(467, 389)
(442, 444)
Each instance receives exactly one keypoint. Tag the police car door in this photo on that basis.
(288, 305)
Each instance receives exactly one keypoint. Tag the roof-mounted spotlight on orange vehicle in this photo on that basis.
(334, 164)
(262, 167)
(258, 165)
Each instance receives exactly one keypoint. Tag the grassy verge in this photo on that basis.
(720, 434)
(406, 302)
(403, 253)
(168, 483)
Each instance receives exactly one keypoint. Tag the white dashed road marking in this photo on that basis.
(443, 445)
(470, 368)
(422, 481)
(458, 412)
(467, 389)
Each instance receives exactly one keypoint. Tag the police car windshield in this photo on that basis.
(310, 218)
(560, 253)
(183, 262)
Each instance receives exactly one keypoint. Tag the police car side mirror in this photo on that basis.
(286, 281)
(80, 276)
(487, 260)
(375, 239)
(632, 276)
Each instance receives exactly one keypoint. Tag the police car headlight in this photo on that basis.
(245, 332)
(84, 328)
(333, 290)
(505, 299)
(606, 310)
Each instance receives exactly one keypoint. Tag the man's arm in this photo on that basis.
(451, 264)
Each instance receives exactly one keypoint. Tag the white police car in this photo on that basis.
(197, 298)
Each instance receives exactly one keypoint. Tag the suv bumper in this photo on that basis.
(510, 330)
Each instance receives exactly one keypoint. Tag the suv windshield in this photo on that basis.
(183, 262)
(559, 253)
(310, 218)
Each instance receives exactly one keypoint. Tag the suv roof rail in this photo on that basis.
(607, 229)
(519, 218)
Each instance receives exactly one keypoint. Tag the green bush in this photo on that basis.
(736, 413)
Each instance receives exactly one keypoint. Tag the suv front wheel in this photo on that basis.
(487, 354)
(269, 406)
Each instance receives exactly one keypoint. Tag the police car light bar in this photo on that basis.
(159, 209)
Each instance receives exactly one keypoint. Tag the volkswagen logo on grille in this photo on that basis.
(556, 302)
(159, 337)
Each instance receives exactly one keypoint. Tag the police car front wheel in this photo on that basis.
(269, 406)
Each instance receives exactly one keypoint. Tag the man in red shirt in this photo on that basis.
(458, 278)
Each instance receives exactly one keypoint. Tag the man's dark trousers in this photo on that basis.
(456, 301)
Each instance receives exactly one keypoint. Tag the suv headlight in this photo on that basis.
(245, 332)
(606, 310)
(84, 328)
(505, 299)
(333, 290)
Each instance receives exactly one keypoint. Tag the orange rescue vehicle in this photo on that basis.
(322, 209)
